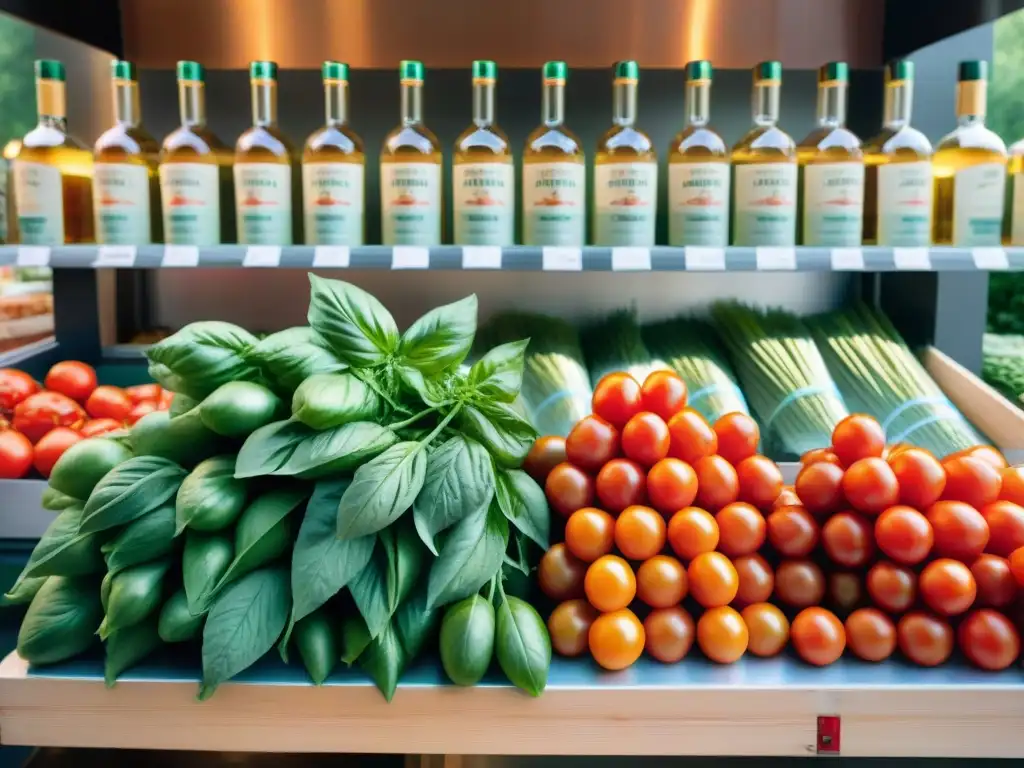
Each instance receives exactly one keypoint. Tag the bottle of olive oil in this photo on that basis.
(195, 171)
(483, 179)
(554, 174)
(126, 178)
(52, 171)
(410, 171)
(831, 168)
(1013, 230)
(764, 184)
(625, 171)
(698, 170)
(332, 170)
(969, 168)
(898, 170)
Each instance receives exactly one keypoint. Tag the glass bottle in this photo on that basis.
(483, 178)
(333, 170)
(698, 170)
(126, 176)
(195, 171)
(410, 171)
(898, 170)
(625, 171)
(969, 168)
(53, 171)
(764, 183)
(831, 185)
(1013, 229)
(554, 172)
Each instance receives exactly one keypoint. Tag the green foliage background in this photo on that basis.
(17, 87)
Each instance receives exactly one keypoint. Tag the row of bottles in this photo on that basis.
(827, 190)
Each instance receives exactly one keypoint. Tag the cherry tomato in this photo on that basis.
(72, 379)
(756, 580)
(15, 455)
(799, 583)
(971, 480)
(591, 443)
(760, 481)
(925, 639)
(787, 498)
(904, 534)
(640, 532)
(664, 393)
(894, 450)
(15, 386)
(996, 585)
(713, 579)
(986, 453)
(989, 640)
(892, 587)
(717, 483)
(569, 488)
(741, 529)
(561, 573)
(870, 634)
(616, 639)
(960, 530)
(96, 427)
(50, 448)
(645, 438)
(152, 392)
(691, 532)
(815, 455)
(692, 438)
(820, 487)
(856, 437)
(792, 531)
(669, 634)
(848, 539)
(722, 634)
(1005, 525)
(1017, 565)
(767, 627)
(920, 476)
(671, 485)
(818, 636)
(617, 398)
(546, 453)
(1012, 487)
(661, 582)
(870, 485)
(947, 587)
(845, 591)
(610, 584)
(107, 402)
(738, 436)
(590, 533)
(569, 625)
(139, 410)
(39, 413)
(621, 483)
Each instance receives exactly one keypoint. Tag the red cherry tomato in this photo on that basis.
(664, 393)
(691, 437)
(971, 480)
(856, 437)
(948, 587)
(39, 413)
(645, 438)
(904, 534)
(95, 427)
(892, 587)
(72, 378)
(167, 397)
(621, 483)
(1005, 525)
(139, 410)
(815, 455)
(15, 386)
(1017, 565)
(819, 487)
(792, 531)
(617, 398)
(960, 530)
(717, 483)
(870, 485)
(848, 540)
(870, 634)
(920, 476)
(545, 454)
(15, 455)
(818, 636)
(997, 587)
(671, 485)
(989, 639)
(51, 446)
(141, 392)
(925, 639)
(760, 481)
(591, 443)
(569, 488)
(738, 436)
(108, 402)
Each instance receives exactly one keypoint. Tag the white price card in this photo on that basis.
(481, 257)
(410, 257)
(331, 256)
(700, 258)
(561, 259)
(33, 256)
(847, 259)
(180, 256)
(631, 259)
(912, 259)
(262, 256)
(115, 256)
(990, 258)
(775, 259)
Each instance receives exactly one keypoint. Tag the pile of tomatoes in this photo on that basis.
(38, 423)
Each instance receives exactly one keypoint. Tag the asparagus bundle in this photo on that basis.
(690, 347)
(784, 377)
(615, 344)
(879, 375)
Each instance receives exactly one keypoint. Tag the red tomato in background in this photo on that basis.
(39, 413)
(856, 437)
(617, 398)
(167, 397)
(15, 455)
(95, 427)
(15, 386)
(52, 446)
(72, 378)
(141, 392)
(140, 410)
(664, 393)
(108, 402)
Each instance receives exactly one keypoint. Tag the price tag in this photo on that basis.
(481, 257)
(912, 259)
(559, 259)
(33, 256)
(990, 258)
(180, 256)
(703, 259)
(115, 257)
(410, 257)
(631, 259)
(331, 256)
(846, 259)
(775, 259)
(262, 256)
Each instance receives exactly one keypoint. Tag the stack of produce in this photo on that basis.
(1002, 364)
(615, 343)
(384, 500)
(37, 424)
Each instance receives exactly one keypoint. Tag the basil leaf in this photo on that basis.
(460, 480)
(244, 623)
(432, 391)
(498, 375)
(181, 404)
(204, 560)
(327, 400)
(127, 647)
(317, 644)
(55, 501)
(211, 498)
(63, 550)
(466, 643)
(522, 501)
(355, 638)
(290, 356)
(523, 645)
(356, 327)
(415, 623)
(384, 661)
(503, 432)
(269, 448)
(382, 490)
(129, 491)
(515, 556)
(440, 339)
(148, 538)
(172, 382)
(470, 557)
(338, 450)
(389, 577)
(205, 355)
(23, 591)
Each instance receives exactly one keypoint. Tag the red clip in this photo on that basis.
(828, 735)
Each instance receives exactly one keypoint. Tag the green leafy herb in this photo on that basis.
(204, 561)
(503, 432)
(290, 356)
(384, 660)
(127, 647)
(470, 557)
(382, 490)
(523, 645)
(498, 375)
(269, 448)
(356, 327)
(129, 491)
(440, 339)
(522, 501)
(337, 450)
(148, 538)
(63, 550)
(327, 400)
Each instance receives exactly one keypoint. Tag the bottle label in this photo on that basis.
(554, 203)
(39, 197)
(698, 201)
(410, 203)
(120, 195)
(905, 204)
(263, 200)
(625, 203)
(833, 204)
(1017, 210)
(978, 204)
(484, 201)
(765, 204)
(332, 199)
(190, 198)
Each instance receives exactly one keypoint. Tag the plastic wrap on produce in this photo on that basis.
(615, 343)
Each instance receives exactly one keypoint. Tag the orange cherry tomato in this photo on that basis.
(610, 584)
(971, 480)
(904, 534)
(1012, 485)
(1005, 526)
(722, 634)
(545, 454)
(1017, 565)
(691, 532)
(756, 580)
(870, 634)
(616, 639)
(717, 483)
(989, 639)
(51, 447)
(799, 583)
(892, 587)
(591, 443)
(792, 531)
(664, 393)
(738, 436)
(617, 398)
(997, 587)
(569, 488)
(669, 634)
(569, 626)
(692, 438)
(621, 483)
(988, 454)
(925, 639)
(819, 487)
(760, 481)
(920, 476)
(561, 573)
(671, 485)
(848, 540)
(661, 582)
(787, 498)
(818, 636)
(815, 455)
(640, 532)
(870, 485)
(856, 437)
(645, 438)
(741, 529)
(713, 579)
(767, 627)
(590, 533)
(961, 532)
(947, 587)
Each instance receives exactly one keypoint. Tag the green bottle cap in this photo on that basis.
(334, 70)
(263, 70)
(899, 69)
(698, 70)
(973, 70)
(485, 70)
(768, 70)
(411, 70)
(556, 70)
(627, 70)
(122, 70)
(834, 71)
(191, 71)
(49, 69)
